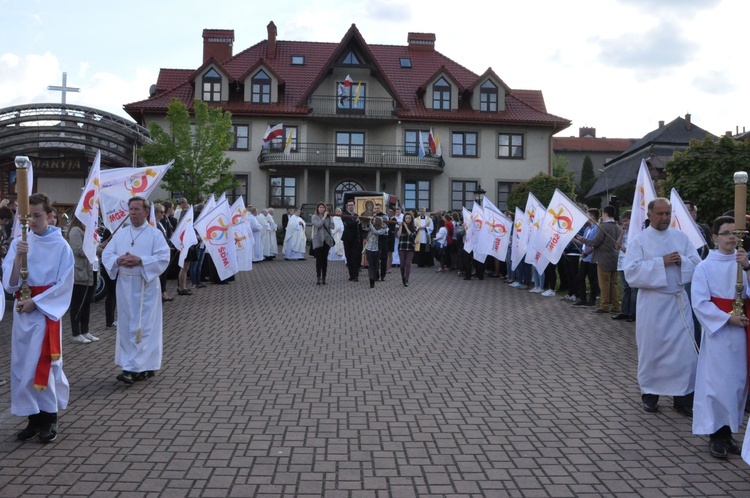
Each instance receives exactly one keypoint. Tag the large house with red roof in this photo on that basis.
(406, 120)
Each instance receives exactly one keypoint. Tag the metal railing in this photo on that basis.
(366, 156)
(366, 107)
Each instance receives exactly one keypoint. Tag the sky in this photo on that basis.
(620, 66)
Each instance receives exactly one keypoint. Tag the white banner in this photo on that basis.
(563, 220)
(242, 235)
(682, 220)
(644, 193)
(184, 236)
(214, 228)
(87, 210)
(496, 232)
(118, 185)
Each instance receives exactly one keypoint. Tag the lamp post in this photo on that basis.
(606, 186)
(479, 193)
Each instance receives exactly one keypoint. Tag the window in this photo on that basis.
(345, 186)
(510, 145)
(405, 62)
(411, 142)
(417, 194)
(241, 137)
(283, 191)
(240, 190)
(279, 144)
(261, 88)
(212, 86)
(462, 194)
(503, 190)
(441, 95)
(350, 147)
(464, 143)
(351, 59)
(352, 98)
(488, 97)
(298, 60)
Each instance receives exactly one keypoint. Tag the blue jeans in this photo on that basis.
(196, 267)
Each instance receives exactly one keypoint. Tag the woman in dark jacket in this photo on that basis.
(322, 240)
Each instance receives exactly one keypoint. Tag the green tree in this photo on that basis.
(560, 167)
(197, 147)
(704, 174)
(543, 187)
(588, 178)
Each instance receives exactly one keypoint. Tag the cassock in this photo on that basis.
(264, 235)
(295, 239)
(50, 262)
(721, 379)
(257, 230)
(138, 296)
(273, 246)
(336, 253)
(667, 355)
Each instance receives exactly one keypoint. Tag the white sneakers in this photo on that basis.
(548, 293)
(86, 338)
(537, 290)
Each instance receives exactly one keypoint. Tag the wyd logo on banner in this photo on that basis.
(676, 222)
(217, 231)
(496, 227)
(562, 219)
(139, 184)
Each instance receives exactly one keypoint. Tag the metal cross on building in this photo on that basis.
(64, 88)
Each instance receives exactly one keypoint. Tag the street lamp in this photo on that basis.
(606, 185)
(479, 193)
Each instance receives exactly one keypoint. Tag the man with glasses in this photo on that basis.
(352, 244)
(659, 262)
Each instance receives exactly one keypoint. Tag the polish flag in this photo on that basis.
(348, 81)
(273, 132)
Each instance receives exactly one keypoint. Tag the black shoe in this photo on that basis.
(372, 284)
(650, 407)
(318, 283)
(356, 279)
(126, 377)
(684, 410)
(599, 311)
(580, 303)
(406, 284)
(619, 316)
(630, 319)
(717, 448)
(48, 434)
(31, 431)
(732, 447)
(591, 305)
(403, 281)
(323, 281)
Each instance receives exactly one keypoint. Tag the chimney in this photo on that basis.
(728, 134)
(661, 124)
(587, 132)
(217, 43)
(688, 124)
(271, 45)
(422, 41)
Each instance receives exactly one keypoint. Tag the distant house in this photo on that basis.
(351, 115)
(600, 150)
(657, 148)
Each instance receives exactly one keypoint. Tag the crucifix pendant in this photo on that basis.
(132, 244)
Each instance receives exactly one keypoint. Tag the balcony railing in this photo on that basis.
(366, 107)
(364, 156)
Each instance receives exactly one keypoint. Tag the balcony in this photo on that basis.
(343, 107)
(391, 157)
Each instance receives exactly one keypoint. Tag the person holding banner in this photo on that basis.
(605, 259)
(38, 386)
(660, 260)
(136, 256)
(721, 377)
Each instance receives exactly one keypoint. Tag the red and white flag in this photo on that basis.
(184, 237)
(214, 228)
(272, 132)
(496, 232)
(562, 222)
(683, 221)
(118, 185)
(348, 81)
(242, 235)
(87, 210)
(644, 193)
(434, 142)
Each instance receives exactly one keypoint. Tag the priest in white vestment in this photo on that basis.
(336, 253)
(272, 228)
(263, 220)
(38, 386)
(136, 255)
(721, 378)
(659, 262)
(295, 240)
(257, 229)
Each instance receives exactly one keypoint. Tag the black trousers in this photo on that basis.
(587, 270)
(321, 260)
(110, 301)
(80, 308)
(353, 252)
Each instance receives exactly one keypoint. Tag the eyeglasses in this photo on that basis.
(726, 233)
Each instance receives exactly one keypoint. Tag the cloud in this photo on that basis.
(661, 48)
(388, 10)
(676, 8)
(24, 79)
(715, 83)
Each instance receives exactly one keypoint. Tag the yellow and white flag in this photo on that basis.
(562, 222)
(644, 193)
(214, 228)
(87, 209)
(683, 221)
(242, 235)
(184, 237)
(496, 232)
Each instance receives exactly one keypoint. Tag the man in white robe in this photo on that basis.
(295, 239)
(659, 262)
(136, 255)
(336, 253)
(263, 220)
(272, 228)
(721, 378)
(38, 386)
(257, 229)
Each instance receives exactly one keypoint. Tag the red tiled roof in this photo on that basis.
(591, 144)
(522, 106)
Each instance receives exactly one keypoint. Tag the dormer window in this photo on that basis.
(212, 86)
(405, 62)
(351, 59)
(261, 88)
(441, 95)
(488, 97)
(298, 60)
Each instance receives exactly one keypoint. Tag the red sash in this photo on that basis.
(51, 349)
(727, 305)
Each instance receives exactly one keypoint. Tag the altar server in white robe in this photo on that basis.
(136, 255)
(257, 229)
(295, 239)
(659, 262)
(272, 228)
(336, 253)
(263, 220)
(721, 379)
(38, 386)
